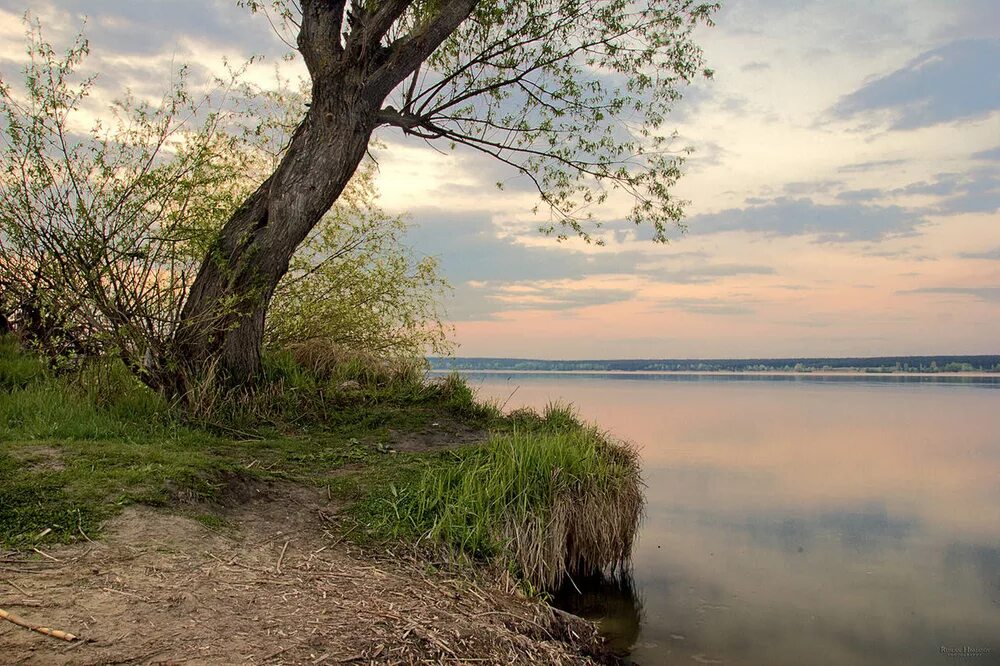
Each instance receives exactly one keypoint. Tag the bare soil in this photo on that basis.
(276, 585)
(445, 433)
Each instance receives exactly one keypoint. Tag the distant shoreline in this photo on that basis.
(727, 373)
(967, 366)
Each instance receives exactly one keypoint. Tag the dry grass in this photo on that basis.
(588, 530)
(330, 362)
(304, 383)
(275, 586)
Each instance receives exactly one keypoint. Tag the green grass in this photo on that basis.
(77, 447)
(546, 496)
(17, 369)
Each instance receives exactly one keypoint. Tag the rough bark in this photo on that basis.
(223, 318)
(222, 323)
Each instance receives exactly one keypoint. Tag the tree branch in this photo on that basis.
(407, 53)
(319, 38)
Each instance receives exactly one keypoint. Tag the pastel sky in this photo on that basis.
(844, 191)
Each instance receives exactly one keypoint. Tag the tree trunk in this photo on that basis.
(222, 322)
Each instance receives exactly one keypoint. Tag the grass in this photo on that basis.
(551, 498)
(76, 447)
(17, 369)
(545, 496)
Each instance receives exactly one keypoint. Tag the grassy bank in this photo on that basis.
(547, 496)
(541, 495)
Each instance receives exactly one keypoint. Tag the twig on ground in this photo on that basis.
(343, 536)
(79, 526)
(17, 587)
(46, 555)
(281, 557)
(277, 652)
(54, 633)
(126, 594)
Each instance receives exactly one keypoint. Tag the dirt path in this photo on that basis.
(275, 587)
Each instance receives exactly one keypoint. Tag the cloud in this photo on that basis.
(974, 191)
(846, 222)
(909, 253)
(709, 306)
(863, 195)
(875, 165)
(706, 154)
(472, 248)
(492, 273)
(549, 296)
(957, 81)
(809, 187)
(972, 18)
(988, 294)
(156, 28)
(694, 99)
(756, 66)
(992, 155)
(699, 274)
(141, 47)
(988, 254)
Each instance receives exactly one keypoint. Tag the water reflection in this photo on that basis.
(802, 523)
(611, 601)
(977, 380)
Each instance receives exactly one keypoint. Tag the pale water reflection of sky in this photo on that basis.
(844, 190)
(800, 523)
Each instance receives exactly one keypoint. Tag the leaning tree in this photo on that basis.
(572, 94)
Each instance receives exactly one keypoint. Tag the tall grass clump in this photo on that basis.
(337, 364)
(308, 384)
(17, 368)
(98, 399)
(559, 499)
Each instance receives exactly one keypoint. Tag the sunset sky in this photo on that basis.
(844, 191)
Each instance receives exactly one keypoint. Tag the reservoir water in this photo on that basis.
(808, 521)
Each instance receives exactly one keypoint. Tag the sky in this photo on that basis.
(844, 190)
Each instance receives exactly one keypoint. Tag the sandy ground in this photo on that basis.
(277, 586)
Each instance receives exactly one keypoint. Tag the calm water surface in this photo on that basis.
(799, 522)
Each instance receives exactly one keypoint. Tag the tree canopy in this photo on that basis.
(572, 94)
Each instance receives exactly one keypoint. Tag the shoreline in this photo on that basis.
(727, 373)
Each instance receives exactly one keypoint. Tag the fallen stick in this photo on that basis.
(46, 555)
(281, 557)
(54, 633)
(17, 587)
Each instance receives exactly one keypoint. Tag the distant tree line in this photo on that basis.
(878, 364)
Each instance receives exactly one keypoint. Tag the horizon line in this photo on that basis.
(720, 358)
